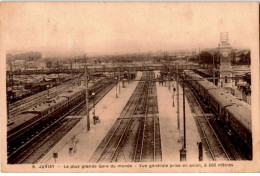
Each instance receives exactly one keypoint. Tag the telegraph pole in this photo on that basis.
(183, 151)
(178, 103)
(7, 99)
(213, 69)
(86, 84)
(199, 54)
(116, 86)
(48, 92)
(12, 78)
(119, 89)
(184, 117)
(94, 110)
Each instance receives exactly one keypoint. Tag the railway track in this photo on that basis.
(211, 142)
(23, 105)
(18, 103)
(121, 137)
(55, 136)
(38, 149)
(108, 151)
(148, 146)
(234, 152)
(42, 141)
(33, 101)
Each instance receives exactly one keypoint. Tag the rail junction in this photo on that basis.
(39, 123)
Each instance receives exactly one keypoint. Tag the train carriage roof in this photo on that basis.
(47, 105)
(20, 120)
(239, 109)
(242, 114)
(60, 99)
(205, 71)
(204, 83)
(192, 74)
(72, 92)
(222, 97)
(207, 85)
(245, 104)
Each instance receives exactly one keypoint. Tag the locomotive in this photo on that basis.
(233, 113)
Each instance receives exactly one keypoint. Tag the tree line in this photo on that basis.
(208, 58)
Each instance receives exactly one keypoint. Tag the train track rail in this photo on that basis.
(121, 135)
(18, 103)
(148, 147)
(210, 139)
(43, 140)
(38, 149)
(28, 102)
(54, 137)
(108, 152)
(24, 104)
(234, 152)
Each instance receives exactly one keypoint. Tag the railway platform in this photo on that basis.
(171, 137)
(79, 144)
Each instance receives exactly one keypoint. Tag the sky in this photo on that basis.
(117, 28)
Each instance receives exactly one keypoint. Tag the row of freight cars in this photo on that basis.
(35, 87)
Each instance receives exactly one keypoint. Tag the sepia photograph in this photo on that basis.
(129, 87)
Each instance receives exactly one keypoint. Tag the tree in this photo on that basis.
(48, 64)
(248, 58)
(205, 58)
(233, 58)
(216, 56)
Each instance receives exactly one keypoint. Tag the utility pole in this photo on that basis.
(116, 86)
(178, 103)
(7, 101)
(94, 110)
(48, 92)
(119, 89)
(183, 151)
(213, 69)
(86, 84)
(12, 78)
(184, 117)
(199, 54)
(173, 92)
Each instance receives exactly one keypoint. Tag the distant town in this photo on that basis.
(34, 60)
(23, 85)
